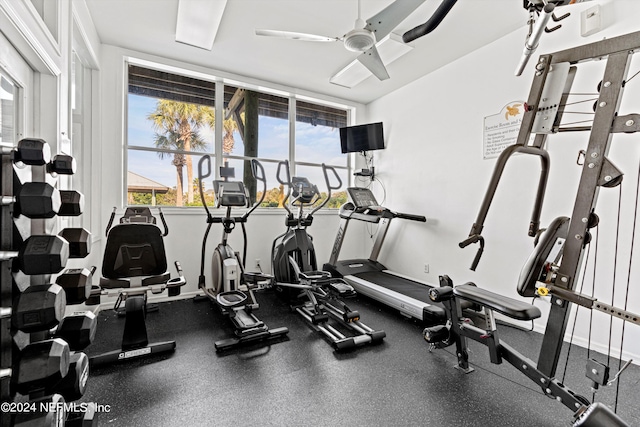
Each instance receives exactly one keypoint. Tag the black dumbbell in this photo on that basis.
(72, 203)
(62, 164)
(41, 365)
(40, 254)
(79, 241)
(48, 411)
(30, 151)
(34, 200)
(50, 367)
(76, 283)
(84, 418)
(74, 384)
(78, 330)
(39, 308)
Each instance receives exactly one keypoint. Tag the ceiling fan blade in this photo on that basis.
(371, 60)
(296, 36)
(391, 16)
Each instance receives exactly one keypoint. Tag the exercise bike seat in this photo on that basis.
(508, 306)
(231, 299)
(340, 287)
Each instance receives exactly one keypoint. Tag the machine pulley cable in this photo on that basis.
(575, 315)
(626, 297)
(615, 265)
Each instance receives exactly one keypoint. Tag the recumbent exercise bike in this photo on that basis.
(135, 263)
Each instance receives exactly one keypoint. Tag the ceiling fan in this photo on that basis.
(365, 34)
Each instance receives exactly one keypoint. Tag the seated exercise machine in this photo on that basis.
(315, 295)
(232, 289)
(134, 264)
(371, 278)
(553, 269)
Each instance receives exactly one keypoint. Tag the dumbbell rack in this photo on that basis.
(6, 244)
(29, 206)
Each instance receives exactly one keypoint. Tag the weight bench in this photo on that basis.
(458, 330)
(508, 306)
(135, 264)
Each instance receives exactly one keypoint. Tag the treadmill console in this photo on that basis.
(230, 193)
(362, 197)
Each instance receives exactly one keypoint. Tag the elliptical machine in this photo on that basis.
(315, 295)
(232, 288)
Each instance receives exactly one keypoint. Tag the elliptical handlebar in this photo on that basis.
(201, 178)
(329, 186)
(287, 183)
(257, 170)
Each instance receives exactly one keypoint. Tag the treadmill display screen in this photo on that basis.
(362, 197)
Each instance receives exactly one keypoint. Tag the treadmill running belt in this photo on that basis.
(410, 288)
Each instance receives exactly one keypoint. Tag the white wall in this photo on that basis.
(433, 166)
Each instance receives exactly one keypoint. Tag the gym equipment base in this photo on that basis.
(116, 356)
(338, 340)
(232, 343)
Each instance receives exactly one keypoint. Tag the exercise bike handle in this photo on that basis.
(113, 215)
(164, 223)
(201, 178)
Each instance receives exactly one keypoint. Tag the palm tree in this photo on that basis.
(229, 126)
(171, 141)
(177, 125)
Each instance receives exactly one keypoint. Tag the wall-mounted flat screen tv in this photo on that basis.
(362, 138)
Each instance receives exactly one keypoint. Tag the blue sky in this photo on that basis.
(313, 144)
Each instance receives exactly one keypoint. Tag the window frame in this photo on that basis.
(217, 154)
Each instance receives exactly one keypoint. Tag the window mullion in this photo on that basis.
(219, 127)
(292, 135)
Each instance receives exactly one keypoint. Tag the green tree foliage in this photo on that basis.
(177, 126)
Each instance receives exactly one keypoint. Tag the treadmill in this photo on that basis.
(371, 278)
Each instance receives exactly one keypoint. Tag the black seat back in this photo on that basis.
(133, 250)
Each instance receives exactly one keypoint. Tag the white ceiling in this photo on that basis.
(149, 26)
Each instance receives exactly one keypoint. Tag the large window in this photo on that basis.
(172, 122)
(7, 110)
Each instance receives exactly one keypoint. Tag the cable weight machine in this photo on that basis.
(553, 267)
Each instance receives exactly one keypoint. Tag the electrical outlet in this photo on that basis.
(258, 265)
(426, 268)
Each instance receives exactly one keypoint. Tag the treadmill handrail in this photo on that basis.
(375, 213)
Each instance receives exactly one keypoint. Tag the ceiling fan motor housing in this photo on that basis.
(359, 40)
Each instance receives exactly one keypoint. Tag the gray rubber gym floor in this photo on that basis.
(302, 382)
